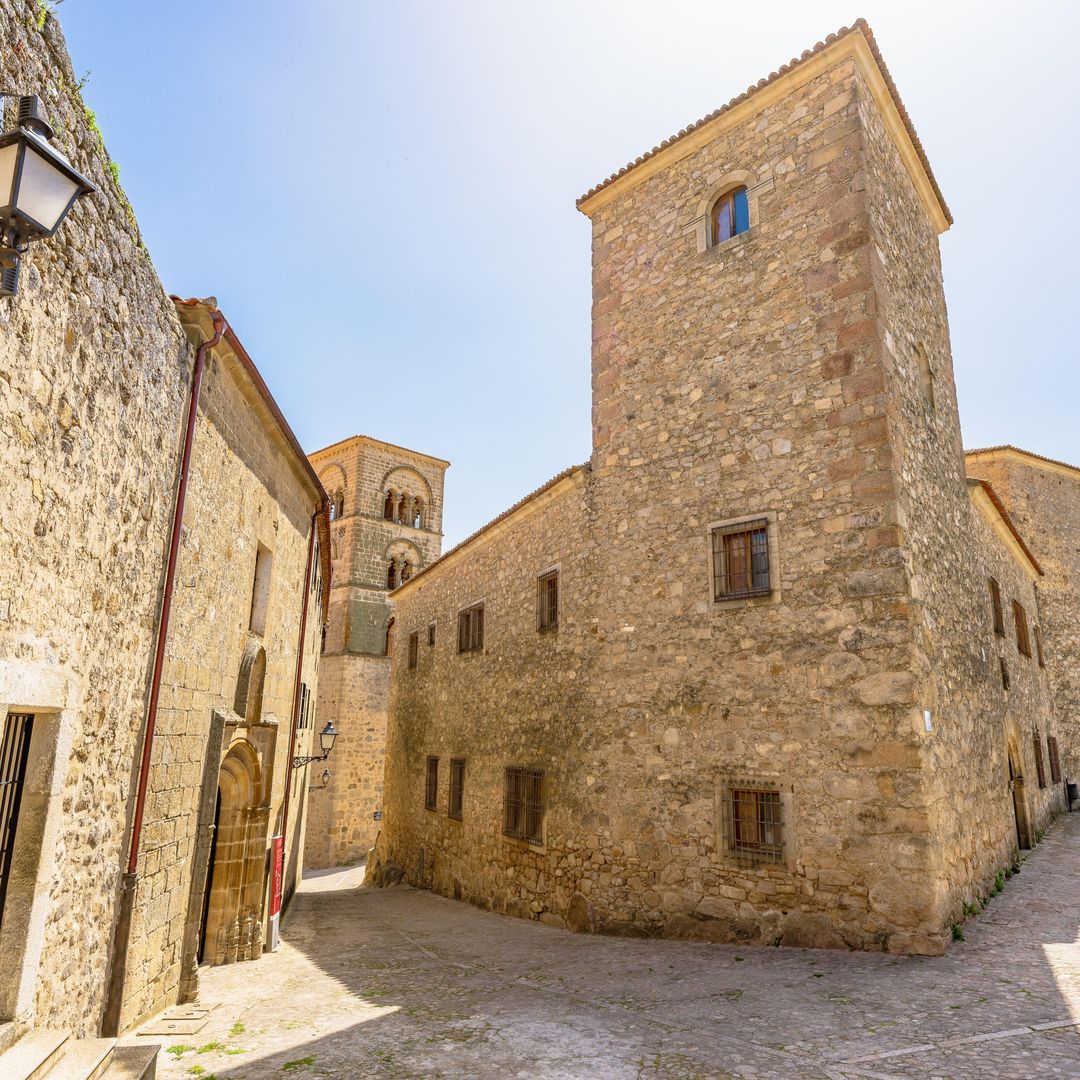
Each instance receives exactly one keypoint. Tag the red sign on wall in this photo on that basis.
(279, 875)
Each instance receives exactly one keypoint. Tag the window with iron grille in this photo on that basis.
(754, 822)
(431, 784)
(1055, 761)
(414, 648)
(995, 600)
(457, 788)
(1004, 674)
(547, 598)
(14, 752)
(741, 560)
(471, 629)
(1036, 743)
(1039, 648)
(523, 805)
(1023, 641)
(431, 634)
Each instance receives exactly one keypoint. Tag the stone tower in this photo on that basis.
(386, 524)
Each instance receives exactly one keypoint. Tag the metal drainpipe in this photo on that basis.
(110, 1025)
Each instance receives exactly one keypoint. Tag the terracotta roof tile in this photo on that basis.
(974, 481)
(859, 26)
(1019, 450)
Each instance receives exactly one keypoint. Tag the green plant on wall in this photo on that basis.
(46, 9)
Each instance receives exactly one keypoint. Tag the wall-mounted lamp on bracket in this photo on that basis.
(326, 742)
(38, 188)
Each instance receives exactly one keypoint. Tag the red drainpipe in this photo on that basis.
(115, 993)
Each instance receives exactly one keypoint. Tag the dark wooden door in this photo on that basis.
(14, 749)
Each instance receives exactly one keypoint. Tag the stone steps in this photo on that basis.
(51, 1055)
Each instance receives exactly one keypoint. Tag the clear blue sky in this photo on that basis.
(381, 195)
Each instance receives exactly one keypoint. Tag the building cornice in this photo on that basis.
(993, 510)
(378, 442)
(857, 44)
(1024, 457)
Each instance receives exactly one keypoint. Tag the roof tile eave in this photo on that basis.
(859, 26)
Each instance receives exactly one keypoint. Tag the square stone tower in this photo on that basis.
(386, 524)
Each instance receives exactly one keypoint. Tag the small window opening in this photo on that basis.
(431, 784)
(431, 634)
(523, 805)
(926, 374)
(741, 561)
(388, 507)
(456, 800)
(730, 215)
(754, 823)
(260, 590)
(548, 601)
(414, 648)
(1023, 641)
(1055, 760)
(471, 629)
(995, 601)
(1004, 674)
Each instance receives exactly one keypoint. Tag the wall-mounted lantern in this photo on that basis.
(326, 742)
(38, 187)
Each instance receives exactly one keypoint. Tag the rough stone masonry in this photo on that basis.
(741, 676)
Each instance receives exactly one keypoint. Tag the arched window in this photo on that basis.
(405, 510)
(392, 575)
(730, 215)
(388, 507)
(406, 571)
(337, 505)
(418, 514)
(926, 374)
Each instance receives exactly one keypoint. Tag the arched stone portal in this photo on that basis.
(232, 924)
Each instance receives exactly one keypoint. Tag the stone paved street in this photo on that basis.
(400, 983)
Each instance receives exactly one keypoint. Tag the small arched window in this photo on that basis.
(730, 215)
(337, 505)
(406, 571)
(388, 507)
(418, 514)
(926, 374)
(392, 575)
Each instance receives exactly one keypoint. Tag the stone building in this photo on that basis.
(1043, 497)
(737, 677)
(387, 505)
(113, 878)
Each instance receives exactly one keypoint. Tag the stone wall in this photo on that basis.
(356, 669)
(94, 371)
(1043, 498)
(754, 379)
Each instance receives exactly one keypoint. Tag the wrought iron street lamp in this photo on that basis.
(38, 187)
(326, 742)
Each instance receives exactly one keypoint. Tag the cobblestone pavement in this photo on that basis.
(401, 983)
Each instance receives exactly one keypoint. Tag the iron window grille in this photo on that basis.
(523, 805)
(14, 750)
(753, 822)
(414, 648)
(1023, 639)
(741, 560)
(1055, 761)
(431, 634)
(1040, 768)
(471, 629)
(431, 784)
(547, 595)
(456, 798)
(995, 600)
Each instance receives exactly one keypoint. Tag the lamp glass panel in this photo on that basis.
(8, 157)
(44, 192)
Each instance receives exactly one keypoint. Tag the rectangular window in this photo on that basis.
(1039, 648)
(1023, 641)
(1055, 761)
(754, 819)
(995, 601)
(1036, 742)
(14, 752)
(431, 784)
(414, 648)
(741, 560)
(457, 788)
(431, 634)
(1004, 674)
(547, 599)
(471, 629)
(523, 805)
(260, 590)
